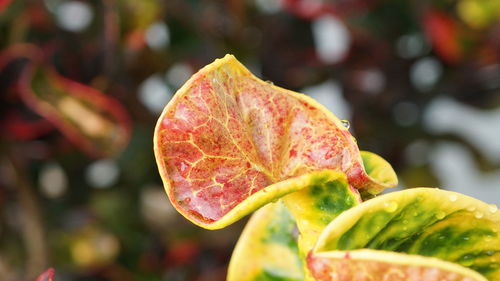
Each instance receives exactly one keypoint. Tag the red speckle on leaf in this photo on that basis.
(239, 136)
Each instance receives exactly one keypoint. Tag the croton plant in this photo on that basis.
(229, 144)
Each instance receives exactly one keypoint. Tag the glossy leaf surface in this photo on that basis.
(422, 221)
(228, 143)
(267, 248)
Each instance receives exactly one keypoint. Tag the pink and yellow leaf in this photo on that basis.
(228, 143)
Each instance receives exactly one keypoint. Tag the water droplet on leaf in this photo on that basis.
(346, 123)
(493, 208)
(453, 197)
(440, 215)
(390, 206)
(471, 209)
(478, 215)
(467, 260)
(269, 82)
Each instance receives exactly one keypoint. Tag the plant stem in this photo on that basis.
(33, 232)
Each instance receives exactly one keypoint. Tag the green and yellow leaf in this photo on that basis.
(326, 196)
(272, 232)
(378, 169)
(267, 248)
(449, 226)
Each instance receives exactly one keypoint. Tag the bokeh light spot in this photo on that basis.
(157, 35)
(102, 173)
(155, 207)
(268, 6)
(178, 74)
(412, 45)
(425, 73)
(74, 16)
(52, 180)
(95, 247)
(154, 93)
(329, 94)
(478, 127)
(371, 81)
(332, 39)
(456, 169)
